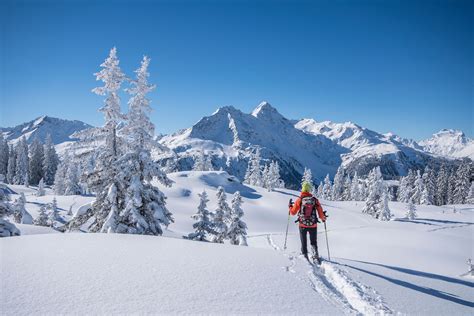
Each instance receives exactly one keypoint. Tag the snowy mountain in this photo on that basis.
(449, 143)
(230, 136)
(59, 129)
(368, 148)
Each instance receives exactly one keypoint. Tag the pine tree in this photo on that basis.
(418, 188)
(7, 229)
(376, 190)
(11, 169)
(451, 187)
(429, 180)
(266, 181)
(208, 163)
(50, 161)
(320, 192)
(36, 172)
(346, 191)
(60, 177)
(203, 225)
(338, 184)
(20, 214)
(442, 186)
(307, 177)
(71, 184)
(411, 211)
(4, 155)
(22, 163)
(407, 185)
(237, 229)
(383, 212)
(355, 188)
(42, 219)
(327, 189)
(53, 216)
(470, 196)
(462, 183)
(199, 162)
(41, 191)
(253, 176)
(220, 217)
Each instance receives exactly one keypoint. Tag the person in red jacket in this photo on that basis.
(306, 206)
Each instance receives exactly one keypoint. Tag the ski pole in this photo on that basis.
(327, 243)
(287, 224)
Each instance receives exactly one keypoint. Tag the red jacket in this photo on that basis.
(297, 206)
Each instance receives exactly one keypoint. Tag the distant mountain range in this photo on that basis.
(230, 136)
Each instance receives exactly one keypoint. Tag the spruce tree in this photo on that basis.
(11, 169)
(36, 172)
(320, 192)
(50, 161)
(451, 187)
(41, 191)
(7, 229)
(327, 189)
(307, 177)
(237, 229)
(53, 216)
(383, 212)
(338, 184)
(346, 191)
(411, 211)
(442, 186)
(429, 180)
(20, 214)
(375, 199)
(42, 219)
(470, 195)
(22, 163)
(418, 188)
(203, 225)
(200, 162)
(71, 183)
(253, 176)
(220, 217)
(4, 155)
(462, 182)
(60, 177)
(355, 188)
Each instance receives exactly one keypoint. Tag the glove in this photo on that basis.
(290, 203)
(325, 214)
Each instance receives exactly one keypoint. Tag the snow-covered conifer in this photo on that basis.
(418, 188)
(383, 212)
(266, 181)
(20, 214)
(4, 155)
(199, 162)
(50, 161)
(220, 217)
(338, 184)
(307, 177)
(442, 186)
(22, 163)
(429, 180)
(470, 196)
(53, 216)
(253, 176)
(451, 187)
(327, 189)
(7, 229)
(36, 172)
(41, 191)
(60, 177)
(237, 229)
(320, 192)
(355, 188)
(411, 211)
(374, 199)
(407, 185)
(203, 225)
(42, 219)
(462, 182)
(71, 184)
(346, 191)
(11, 169)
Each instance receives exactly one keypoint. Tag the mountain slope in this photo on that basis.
(230, 136)
(449, 143)
(59, 129)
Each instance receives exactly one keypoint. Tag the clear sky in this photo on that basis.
(399, 66)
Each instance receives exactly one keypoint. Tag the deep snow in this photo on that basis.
(408, 267)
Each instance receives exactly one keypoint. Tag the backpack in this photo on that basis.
(307, 214)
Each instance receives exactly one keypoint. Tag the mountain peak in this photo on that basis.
(265, 109)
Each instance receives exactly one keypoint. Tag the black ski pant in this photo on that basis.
(312, 238)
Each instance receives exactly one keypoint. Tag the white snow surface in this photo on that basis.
(400, 266)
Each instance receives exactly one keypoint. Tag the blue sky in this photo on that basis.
(399, 66)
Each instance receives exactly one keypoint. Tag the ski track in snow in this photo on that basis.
(336, 286)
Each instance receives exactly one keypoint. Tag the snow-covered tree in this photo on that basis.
(266, 182)
(411, 211)
(42, 219)
(407, 185)
(36, 172)
(50, 161)
(462, 182)
(346, 190)
(4, 155)
(253, 176)
(320, 192)
(22, 163)
(442, 185)
(327, 188)
(429, 180)
(220, 217)
(271, 176)
(60, 177)
(451, 187)
(237, 229)
(470, 196)
(374, 199)
(202, 162)
(355, 188)
(71, 183)
(53, 216)
(383, 212)
(307, 177)
(202, 226)
(11, 169)
(418, 188)
(7, 229)
(41, 191)
(20, 214)
(338, 184)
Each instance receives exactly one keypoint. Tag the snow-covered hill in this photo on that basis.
(230, 136)
(59, 129)
(449, 143)
(400, 266)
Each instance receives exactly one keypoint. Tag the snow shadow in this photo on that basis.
(413, 221)
(286, 193)
(444, 221)
(426, 290)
